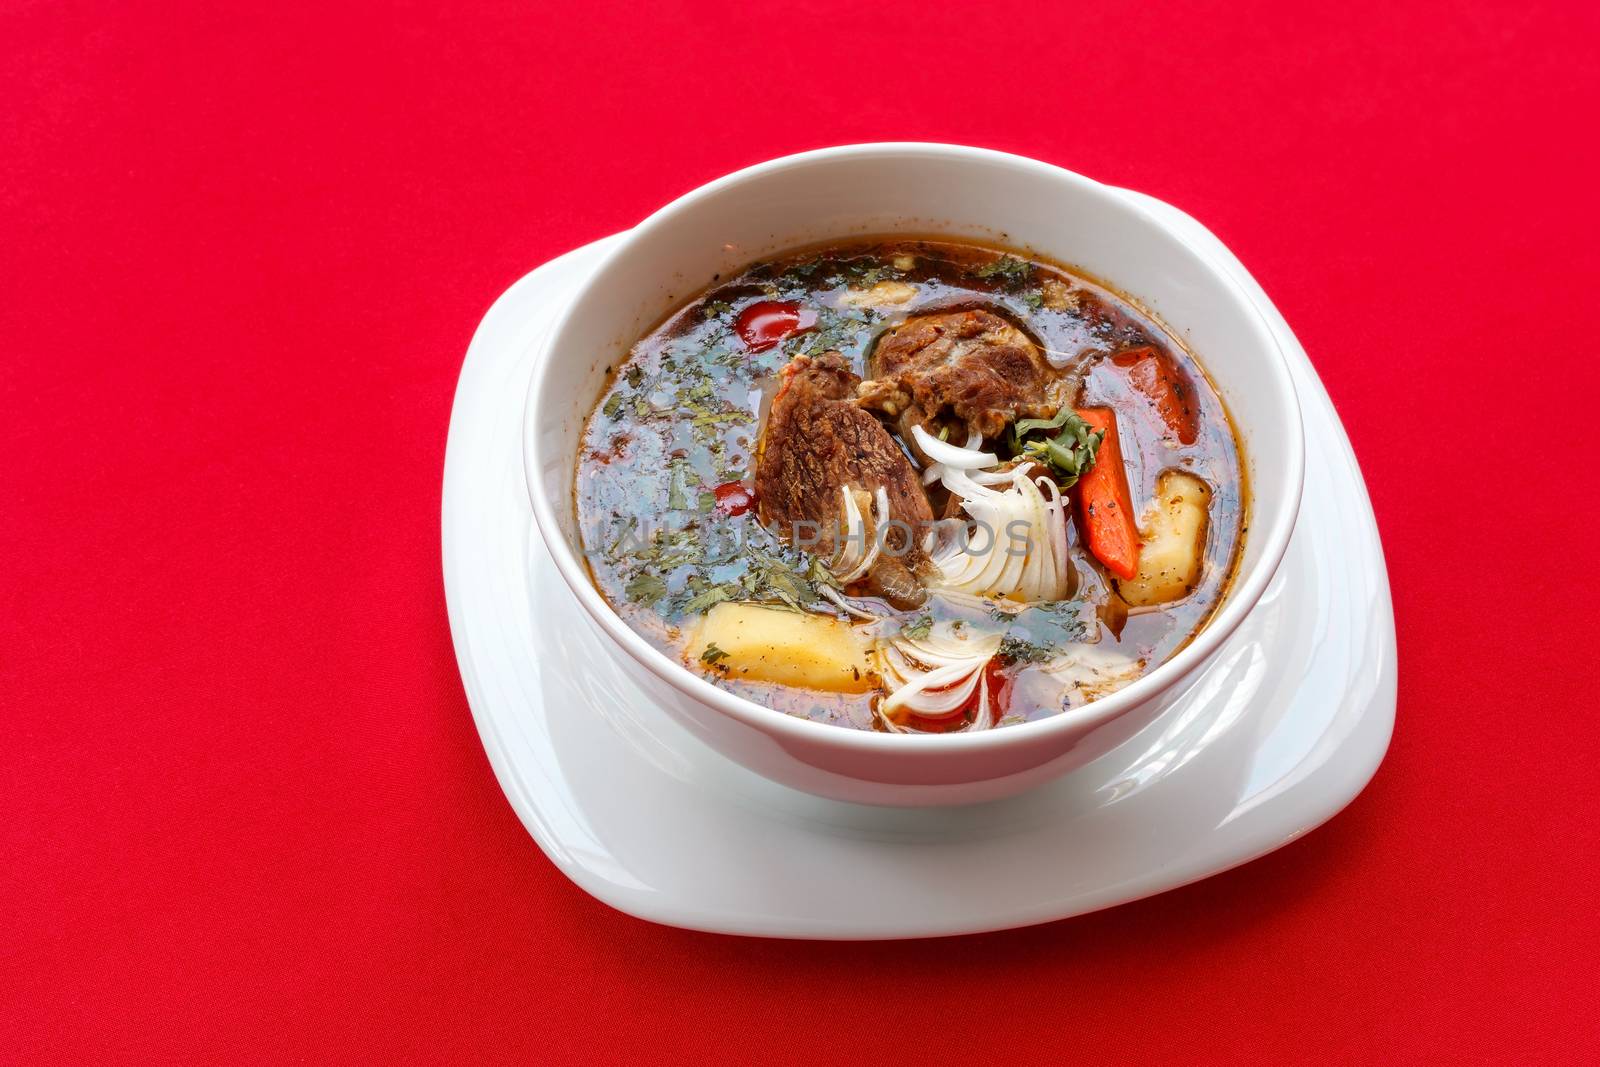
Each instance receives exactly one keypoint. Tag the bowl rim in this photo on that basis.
(1246, 593)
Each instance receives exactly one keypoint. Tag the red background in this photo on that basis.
(245, 813)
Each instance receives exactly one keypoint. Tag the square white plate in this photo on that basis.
(1274, 737)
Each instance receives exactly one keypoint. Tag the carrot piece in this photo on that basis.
(1156, 375)
(1105, 501)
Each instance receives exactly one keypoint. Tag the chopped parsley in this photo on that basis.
(835, 330)
(770, 577)
(862, 276)
(1036, 634)
(712, 654)
(1070, 452)
(819, 575)
(1009, 270)
(1019, 649)
(678, 482)
(799, 273)
(698, 563)
(646, 588)
(706, 599)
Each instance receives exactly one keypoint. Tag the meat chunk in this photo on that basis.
(818, 440)
(962, 370)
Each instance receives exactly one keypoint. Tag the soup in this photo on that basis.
(915, 486)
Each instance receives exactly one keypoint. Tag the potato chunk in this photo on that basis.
(883, 294)
(1172, 541)
(762, 644)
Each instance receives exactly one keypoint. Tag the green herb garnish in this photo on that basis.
(623, 533)
(678, 485)
(712, 654)
(801, 271)
(1072, 450)
(1009, 269)
(1039, 632)
(819, 575)
(769, 576)
(918, 628)
(706, 599)
(1021, 650)
(864, 274)
(834, 331)
(646, 588)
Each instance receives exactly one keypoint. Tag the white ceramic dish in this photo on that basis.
(1280, 731)
(914, 189)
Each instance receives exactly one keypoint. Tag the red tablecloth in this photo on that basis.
(243, 247)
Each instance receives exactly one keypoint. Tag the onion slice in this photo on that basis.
(1029, 510)
(829, 593)
(946, 454)
(854, 557)
(935, 676)
(1088, 673)
(1015, 543)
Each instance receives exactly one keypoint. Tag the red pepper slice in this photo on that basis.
(1163, 383)
(1106, 502)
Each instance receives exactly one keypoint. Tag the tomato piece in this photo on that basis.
(734, 498)
(766, 322)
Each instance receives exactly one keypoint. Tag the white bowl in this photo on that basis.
(919, 189)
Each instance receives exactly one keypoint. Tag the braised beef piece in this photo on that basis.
(962, 371)
(818, 439)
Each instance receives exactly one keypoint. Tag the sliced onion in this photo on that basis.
(954, 456)
(1090, 673)
(935, 676)
(938, 692)
(854, 558)
(1041, 572)
(828, 592)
